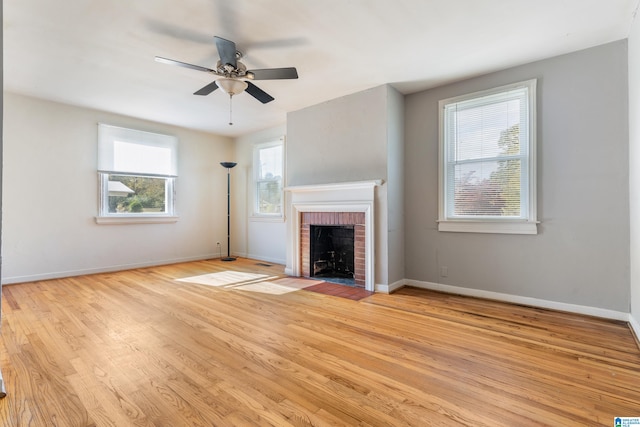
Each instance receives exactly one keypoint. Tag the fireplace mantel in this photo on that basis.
(356, 196)
(337, 186)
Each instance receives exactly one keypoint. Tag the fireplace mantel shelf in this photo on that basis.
(335, 186)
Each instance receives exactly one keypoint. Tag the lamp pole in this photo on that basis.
(228, 165)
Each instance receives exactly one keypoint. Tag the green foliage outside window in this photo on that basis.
(147, 195)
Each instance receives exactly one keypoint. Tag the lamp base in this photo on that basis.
(228, 258)
(3, 391)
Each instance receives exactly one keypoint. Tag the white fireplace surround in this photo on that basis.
(339, 197)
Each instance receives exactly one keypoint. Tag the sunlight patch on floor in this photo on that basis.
(249, 282)
(224, 278)
(268, 287)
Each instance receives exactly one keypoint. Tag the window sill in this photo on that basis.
(495, 227)
(266, 218)
(110, 220)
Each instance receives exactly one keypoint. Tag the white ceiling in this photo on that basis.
(100, 53)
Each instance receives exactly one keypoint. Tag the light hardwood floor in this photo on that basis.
(152, 347)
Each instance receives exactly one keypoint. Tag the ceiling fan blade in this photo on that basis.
(207, 89)
(258, 93)
(227, 51)
(178, 32)
(278, 43)
(274, 73)
(184, 64)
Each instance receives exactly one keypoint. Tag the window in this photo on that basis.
(487, 161)
(137, 172)
(268, 167)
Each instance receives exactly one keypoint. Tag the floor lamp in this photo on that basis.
(3, 391)
(228, 165)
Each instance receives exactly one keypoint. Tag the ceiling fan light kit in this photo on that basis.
(234, 74)
(231, 86)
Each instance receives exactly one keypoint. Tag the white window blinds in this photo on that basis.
(128, 151)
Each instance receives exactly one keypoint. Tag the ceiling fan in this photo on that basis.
(235, 78)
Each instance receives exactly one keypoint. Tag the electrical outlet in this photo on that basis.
(444, 271)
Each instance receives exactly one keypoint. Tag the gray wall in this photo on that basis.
(395, 181)
(2, 387)
(1, 151)
(581, 254)
(341, 140)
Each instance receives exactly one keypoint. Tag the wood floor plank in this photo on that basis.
(213, 343)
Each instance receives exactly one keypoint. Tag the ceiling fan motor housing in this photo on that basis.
(228, 70)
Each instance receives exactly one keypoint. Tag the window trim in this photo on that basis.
(105, 217)
(107, 135)
(497, 225)
(267, 217)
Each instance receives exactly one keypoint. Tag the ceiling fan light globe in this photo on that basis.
(231, 86)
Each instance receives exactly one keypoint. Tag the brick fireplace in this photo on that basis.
(347, 219)
(339, 204)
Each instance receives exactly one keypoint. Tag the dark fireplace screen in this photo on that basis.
(332, 251)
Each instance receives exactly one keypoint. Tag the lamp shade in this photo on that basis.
(228, 165)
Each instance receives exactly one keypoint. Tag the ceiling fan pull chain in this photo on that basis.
(230, 110)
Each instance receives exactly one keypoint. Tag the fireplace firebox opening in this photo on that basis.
(332, 253)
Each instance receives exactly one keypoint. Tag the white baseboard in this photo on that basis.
(105, 269)
(387, 289)
(266, 259)
(515, 299)
(635, 327)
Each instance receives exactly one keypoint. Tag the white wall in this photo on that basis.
(50, 196)
(256, 238)
(581, 254)
(634, 170)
